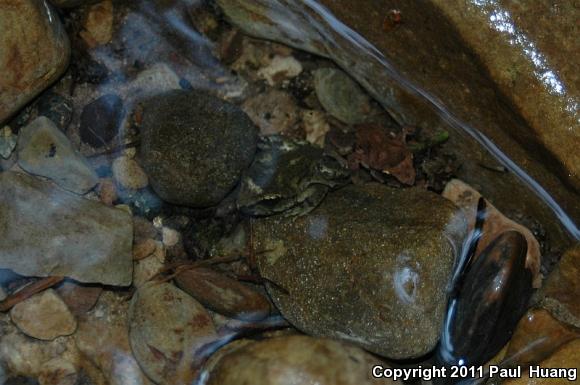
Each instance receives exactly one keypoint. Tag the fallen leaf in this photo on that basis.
(377, 150)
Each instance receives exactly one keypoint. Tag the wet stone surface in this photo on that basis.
(101, 120)
(195, 146)
(370, 265)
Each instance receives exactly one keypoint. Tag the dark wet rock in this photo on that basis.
(288, 176)
(31, 58)
(195, 146)
(41, 236)
(79, 298)
(43, 316)
(488, 303)
(276, 361)
(426, 50)
(44, 150)
(562, 288)
(166, 329)
(101, 120)
(370, 265)
(21, 380)
(466, 198)
(56, 107)
(223, 294)
(341, 96)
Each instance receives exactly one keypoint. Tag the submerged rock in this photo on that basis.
(370, 265)
(48, 231)
(223, 294)
(34, 51)
(101, 120)
(43, 316)
(537, 336)
(288, 176)
(44, 150)
(341, 96)
(195, 146)
(167, 327)
(292, 359)
(492, 296)
(562, 289)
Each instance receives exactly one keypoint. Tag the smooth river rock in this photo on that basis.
(44, 316)
(195, 146)
(34, 52)
(292, 360)
(167, 327)
(44, 150)
(47, 231)
(370, 265)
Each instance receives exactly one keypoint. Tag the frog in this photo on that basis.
(289, 177)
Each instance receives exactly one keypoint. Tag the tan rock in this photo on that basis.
(567, 360)
(223, 294)
(293, 359)
(143, 249)
(315, 126)
(98, 24)
(103, 338)
(58, 371)
(107, 191)
(167, 327)
(273, 112)
(129, 174)
(34, 51)
(562, 288)
(44, 316)
(537, 336)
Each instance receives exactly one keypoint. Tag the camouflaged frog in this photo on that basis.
(288, 177)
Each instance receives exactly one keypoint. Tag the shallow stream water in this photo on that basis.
(194, 202)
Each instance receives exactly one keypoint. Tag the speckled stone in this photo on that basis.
(293, 360)
(370, 265)
(194, 146)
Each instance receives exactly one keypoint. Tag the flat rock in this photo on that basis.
(34, 52)
(47, 231)
(370, 265)
(194, 146)
(44, 150)
(341, 96)
(44, 316)
(166, 328)
(284, 360)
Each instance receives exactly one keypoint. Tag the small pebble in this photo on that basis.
(44, 316)
(79, 298)
(98, 24)
(143, 249)
(170, 236)
(280, 68)
(58, 371)
(107, 191)
(129, 174)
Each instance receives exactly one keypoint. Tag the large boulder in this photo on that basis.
(412, 59)
(47, 231)
(195, 146)
(370, 265)
(34, 52)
